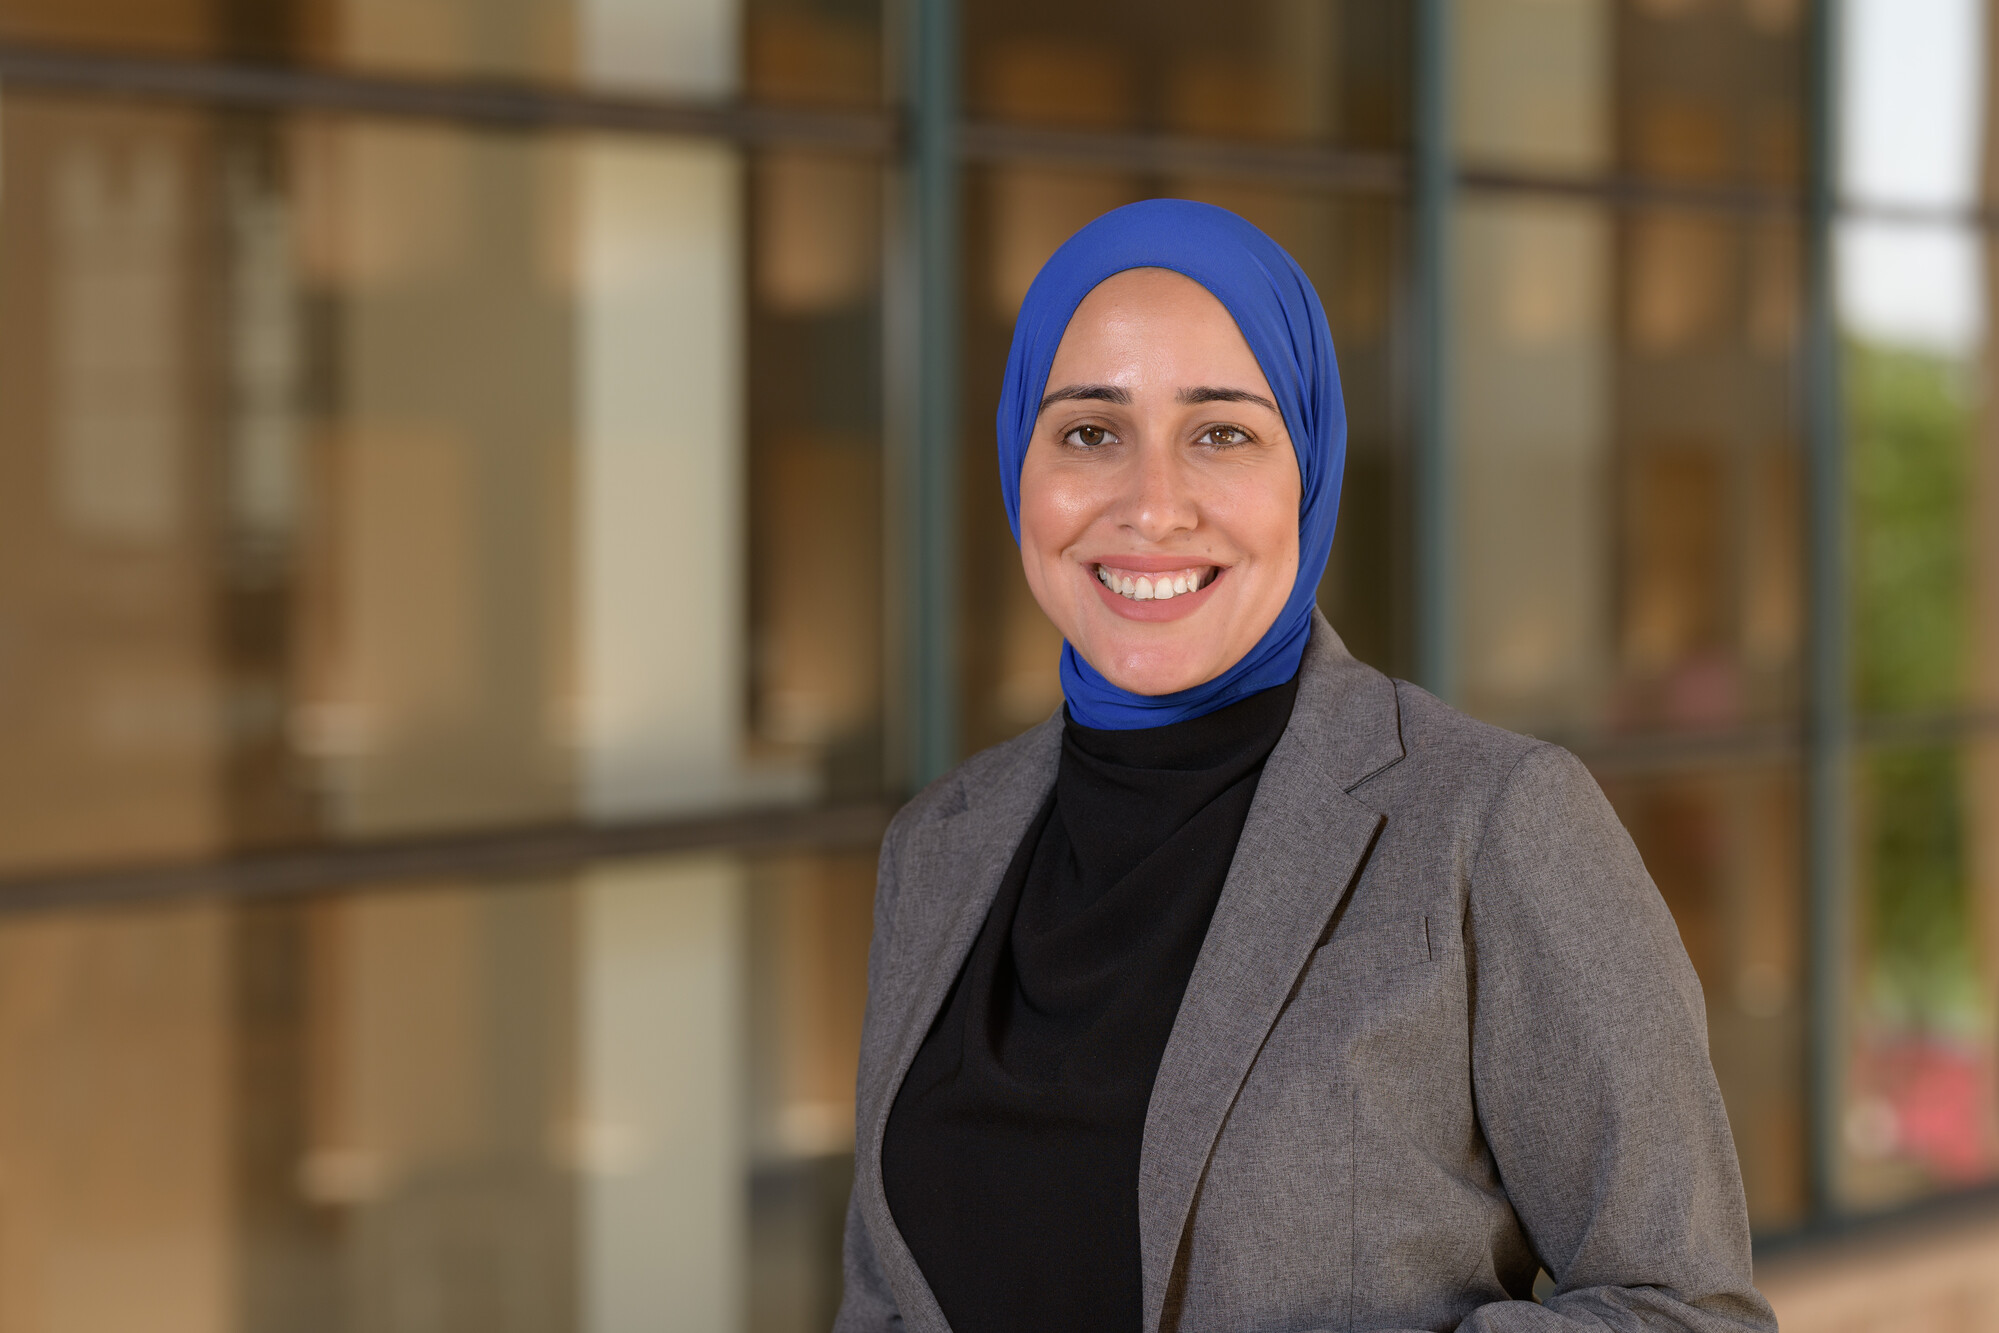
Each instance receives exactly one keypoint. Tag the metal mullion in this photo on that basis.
(506, 853)
(1306, 165)
(931, 489)
(475, 102)
(1434, 182)
(1828, 740)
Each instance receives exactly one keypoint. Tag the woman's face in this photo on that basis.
(1159, 495)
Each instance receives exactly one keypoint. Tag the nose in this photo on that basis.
(1158, 501)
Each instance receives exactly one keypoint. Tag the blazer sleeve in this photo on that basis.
(866, 1305)
(1591, 1074)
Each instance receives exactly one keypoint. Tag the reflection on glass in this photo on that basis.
(1912, 102)
(368, 479)
(1531, 349)
(1531, 87)
(816, 481)
(1660, 88)
(1923, 560)
(805, 51)
(827, 52)
(1628, 480)
(1722, 846)
(620, 1099)
(1711, 92)
(1328, 70)
(1920, 1112)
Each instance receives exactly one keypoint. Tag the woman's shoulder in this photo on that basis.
(1025, 762)
(1458, 771)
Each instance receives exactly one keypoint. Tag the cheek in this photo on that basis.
(1263, 523)
(1044, 533)
(1054, 513)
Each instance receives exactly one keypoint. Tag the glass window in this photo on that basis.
(816, 481)
(810, 51)
(1331, 71)
(1532, 86)
(1711, 93)
(1919, 1114)
(370, 478)
(1678, 91)
(1628, 468)
(1923, 609)
(1913, 112)
(603, 1100)
(1721, 842)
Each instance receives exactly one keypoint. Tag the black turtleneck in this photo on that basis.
(1011, 1156)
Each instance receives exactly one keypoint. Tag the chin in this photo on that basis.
(1149, 674)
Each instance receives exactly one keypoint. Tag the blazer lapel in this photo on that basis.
(1301, 848)
(950, 871)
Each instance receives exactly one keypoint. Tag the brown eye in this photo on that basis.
(1225, 436)
(1087, 437)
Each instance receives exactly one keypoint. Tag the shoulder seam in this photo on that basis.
(1492, 805)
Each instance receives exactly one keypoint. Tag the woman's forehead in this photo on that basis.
(1155, 318)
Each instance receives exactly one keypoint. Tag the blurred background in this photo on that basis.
(497, 508)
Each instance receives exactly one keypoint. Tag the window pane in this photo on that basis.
(1912, 102)
(1532, 87)
(1722, 843)
(366, 478)
(1628, 484)
(1672, 91)
(619, 1098)
(1924, 561)
(1352, 250)
(1333, 71)
(816, 484)
(811, 51)
(1711, 92)
(1920, 1113)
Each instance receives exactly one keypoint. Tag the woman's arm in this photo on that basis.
(1591, 1073)
(865, 1303)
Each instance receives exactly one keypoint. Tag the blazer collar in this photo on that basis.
(1301, 849)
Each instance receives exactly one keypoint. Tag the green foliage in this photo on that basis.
(1911, 427)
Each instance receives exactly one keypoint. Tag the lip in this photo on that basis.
(1173, 608)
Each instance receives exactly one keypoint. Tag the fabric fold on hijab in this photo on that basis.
(1277, 310)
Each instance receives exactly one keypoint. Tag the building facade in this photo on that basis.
(497, 507)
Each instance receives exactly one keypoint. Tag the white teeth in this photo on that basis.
(1159, 587)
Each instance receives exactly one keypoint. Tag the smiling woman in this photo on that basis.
(1160, 537)
(1255, 990)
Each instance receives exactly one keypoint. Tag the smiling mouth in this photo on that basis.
(1157, 587)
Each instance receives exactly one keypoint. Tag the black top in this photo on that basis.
(1011, 1155)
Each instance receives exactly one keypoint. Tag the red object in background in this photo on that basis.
(1942, 1096)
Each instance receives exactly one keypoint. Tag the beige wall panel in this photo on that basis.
(115, 1123)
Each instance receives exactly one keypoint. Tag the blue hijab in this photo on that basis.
(1280, 317)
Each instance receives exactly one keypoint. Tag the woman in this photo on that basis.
(1259, 991)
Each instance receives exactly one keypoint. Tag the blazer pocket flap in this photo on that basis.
(1396, 940)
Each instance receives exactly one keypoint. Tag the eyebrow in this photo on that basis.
(1096, 393)
(1207, 394)
(1111, 393)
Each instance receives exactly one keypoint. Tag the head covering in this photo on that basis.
(1285, 326)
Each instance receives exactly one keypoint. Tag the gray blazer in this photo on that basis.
(1441, 1030)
